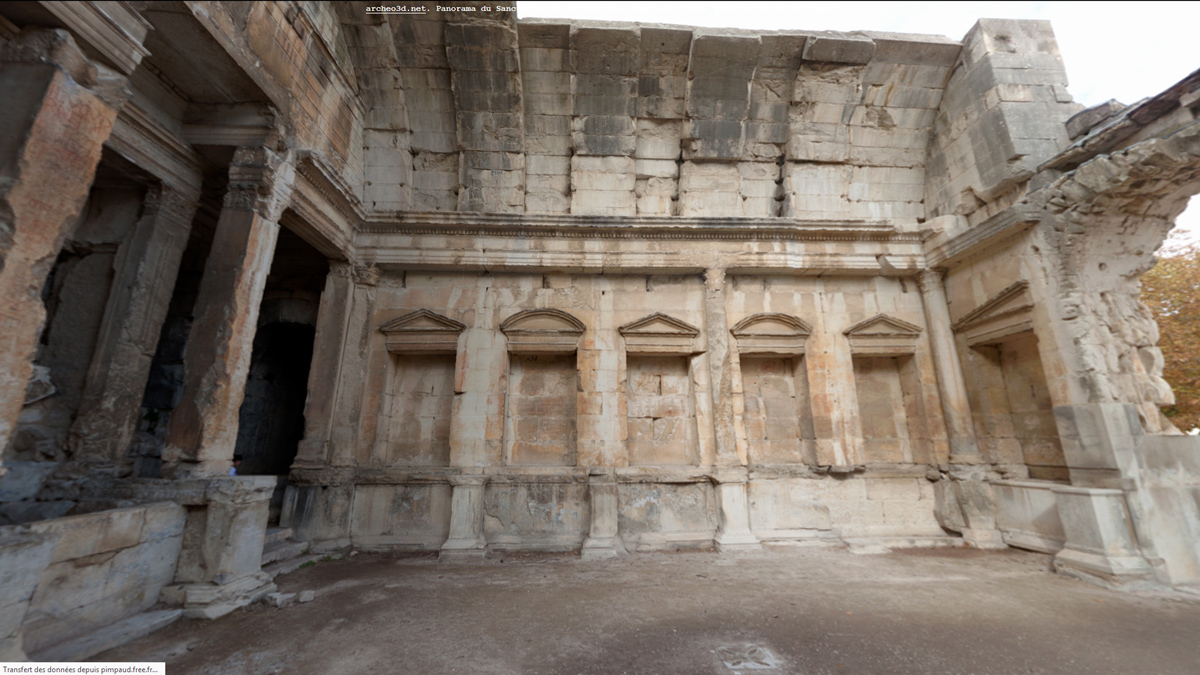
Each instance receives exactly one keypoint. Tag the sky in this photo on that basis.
(1120, 50)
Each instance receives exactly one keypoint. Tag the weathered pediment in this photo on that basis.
(771, 333)
(542, 330)
(883, 335)
(422, 331)
(659, 334)
(1006, 314)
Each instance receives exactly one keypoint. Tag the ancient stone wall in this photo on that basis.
(569, 286)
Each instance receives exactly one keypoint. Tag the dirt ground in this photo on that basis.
(808, 610)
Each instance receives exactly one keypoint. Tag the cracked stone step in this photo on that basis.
(282, 550)
(277, 534)
(292, 564)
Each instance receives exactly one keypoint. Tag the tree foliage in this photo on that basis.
(1172, 292)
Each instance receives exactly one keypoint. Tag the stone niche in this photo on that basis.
(543, 385)
(888, 384)
(778, 409)
(415, 413)
(1013, 401)
(660, 393)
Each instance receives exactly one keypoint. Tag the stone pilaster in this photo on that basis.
(830, 370)
(480, 387)
(719, 360)
(730, 476)
(352, 372)
(601, 419)
(203, 428)
(328, 346)
(733, 511)
(59, 109)
(466, 541)
(137, 306)
(603, 540)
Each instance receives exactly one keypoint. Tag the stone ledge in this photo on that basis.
(111, 636)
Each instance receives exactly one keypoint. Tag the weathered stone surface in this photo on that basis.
(575, 286)
(65, 110)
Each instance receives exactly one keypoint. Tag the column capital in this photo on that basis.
(714, 279)
(57, 47)
(170, 204)
(341, 269)
(260, 180)
(929, 280)
(366, 275)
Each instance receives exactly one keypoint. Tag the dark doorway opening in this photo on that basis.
(271, 421)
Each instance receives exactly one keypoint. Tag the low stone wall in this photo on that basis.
(1167, 504)
(856, 506)
(1027, 515)
(550, 510)
(104, 567)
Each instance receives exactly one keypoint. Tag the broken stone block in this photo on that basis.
(24, 480)
(307, 596)
(40, 385)
(281, 600)
(1086, 120)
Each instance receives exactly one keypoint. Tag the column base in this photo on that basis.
(987, 540)
(212, 601)
(602, 548)
(1116, 572)
(1099, 546)
(737, 542)
(463, 550)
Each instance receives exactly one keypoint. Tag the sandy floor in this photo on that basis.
(809, 610)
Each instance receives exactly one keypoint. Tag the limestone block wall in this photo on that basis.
(630, 395)
(299, 56)
(1004, 113)
(489, 114)
(104, 567)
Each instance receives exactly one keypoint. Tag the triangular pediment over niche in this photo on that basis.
(883, 335)
(542, 330)
(1005, 314)
(882, 324)
(422, 320)
(659, 324)
(1015, 298)
(659, 334)
(771, 333)
(422, 331)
